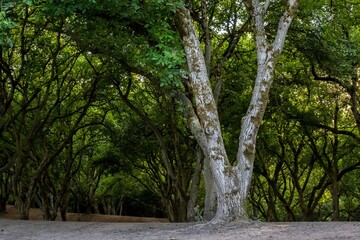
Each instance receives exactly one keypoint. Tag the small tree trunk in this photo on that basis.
(78, 209)
(4, 191)
(181, 210)
(335, 199)
(63, 205)
(210, 193)
(45, 201)
(169, 209)
(22, 200)
(24, 209)
(63, 214)
(2, 207)
(121, 204)
(190, 216)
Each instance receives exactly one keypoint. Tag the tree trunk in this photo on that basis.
(169, 209)
(190, 215)
(22, 201)
(210, 193)
(63, 214)
(2, 207)
(230, 204)
(335, 200)
(335, 169)
(4, 191)
(63, 207)
(232, 183)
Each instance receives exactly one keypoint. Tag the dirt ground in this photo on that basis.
(11, 229)
(36, 214)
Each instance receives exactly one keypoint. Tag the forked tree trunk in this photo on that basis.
(225, 176)
(231, 182)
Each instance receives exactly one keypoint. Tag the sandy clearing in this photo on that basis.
(42, 230)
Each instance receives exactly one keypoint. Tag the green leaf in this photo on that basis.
(28, 2)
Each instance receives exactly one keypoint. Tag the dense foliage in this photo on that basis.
(91, 118)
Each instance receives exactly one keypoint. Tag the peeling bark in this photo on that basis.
(267, 57)
(232, 182)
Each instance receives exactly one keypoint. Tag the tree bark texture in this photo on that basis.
(210, 193)
(225, 177)
(232, 182)
(267, 57)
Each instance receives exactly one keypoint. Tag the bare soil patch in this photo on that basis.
(43, 230)
(36, 214)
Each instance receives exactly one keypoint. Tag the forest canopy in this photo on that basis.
(181, 109)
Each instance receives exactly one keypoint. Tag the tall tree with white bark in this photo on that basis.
(232, 181)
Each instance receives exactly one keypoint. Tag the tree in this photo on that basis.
(232, 182)
(149, 53)
(52, 86)
(307, 156)
(154, 146)
(61, 61)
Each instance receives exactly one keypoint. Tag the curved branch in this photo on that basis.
(328, 79)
